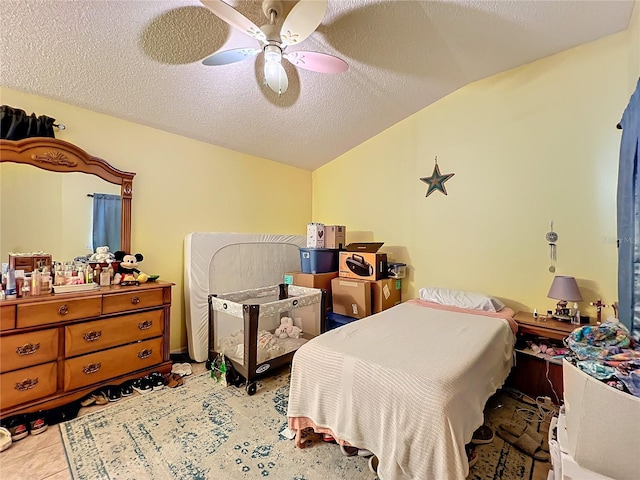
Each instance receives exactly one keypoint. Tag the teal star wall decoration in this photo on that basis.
(436, 180)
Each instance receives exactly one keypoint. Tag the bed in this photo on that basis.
(409, 384)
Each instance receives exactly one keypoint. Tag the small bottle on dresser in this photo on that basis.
(105, 279)
(11, 284)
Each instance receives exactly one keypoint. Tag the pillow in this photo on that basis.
(461, 299)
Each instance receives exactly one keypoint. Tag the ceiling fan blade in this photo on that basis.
(317, 62)
(234, 18)
(276, 77)
(302, 21)
(230, 56)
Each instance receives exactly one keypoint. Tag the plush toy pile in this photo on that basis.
(233, 345)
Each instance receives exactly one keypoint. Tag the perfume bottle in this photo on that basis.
(575, 319)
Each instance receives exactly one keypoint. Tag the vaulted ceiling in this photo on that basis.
(141, 60)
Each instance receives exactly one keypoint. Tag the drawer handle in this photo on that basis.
(146, 353)
(26, 384)
(92, 336)
(63, 310)
(135, 300)
(27, 348)
(146, 325)
(91, 368)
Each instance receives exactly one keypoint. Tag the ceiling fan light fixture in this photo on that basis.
(302, 20)
(272, 54)
(275, 75)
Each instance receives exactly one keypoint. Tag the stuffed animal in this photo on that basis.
(287, 329)
(127, 270)
(102, 255)
(233, 346)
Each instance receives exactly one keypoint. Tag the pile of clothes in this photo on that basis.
(607, 352)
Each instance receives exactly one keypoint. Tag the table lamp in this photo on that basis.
(564, 289)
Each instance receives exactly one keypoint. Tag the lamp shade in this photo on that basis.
(565, 288)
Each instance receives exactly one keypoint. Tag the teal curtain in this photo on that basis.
(629, 217)
(107, 214)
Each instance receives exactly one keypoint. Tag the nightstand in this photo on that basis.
(537, 374)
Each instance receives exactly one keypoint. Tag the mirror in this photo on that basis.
(48, 207)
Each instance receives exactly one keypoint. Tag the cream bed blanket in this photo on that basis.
(409, 384)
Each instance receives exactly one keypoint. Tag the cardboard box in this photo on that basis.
(362, 262)
(312, 280)
(385, 294)
(351, 297)
(315, 235)
(602, 425)
(334, 236)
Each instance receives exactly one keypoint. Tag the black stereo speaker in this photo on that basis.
(358, 265)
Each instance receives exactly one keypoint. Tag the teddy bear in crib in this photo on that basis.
(287, 329)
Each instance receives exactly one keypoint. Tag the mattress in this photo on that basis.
(226, 262)
(409, 384)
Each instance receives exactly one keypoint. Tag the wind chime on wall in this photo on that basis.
(552, 238)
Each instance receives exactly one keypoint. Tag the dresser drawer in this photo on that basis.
(100, 334)
(123, 302)
(98, 367)
(42, 313)
(7, 317)
(26, 349)
(28, 384)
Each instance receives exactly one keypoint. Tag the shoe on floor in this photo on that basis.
(364, 452)
(482, 435)
(526, 439)
(373, 464)
(472, 455)
(37, 424)
(182, 369)
(5, 439)
(348, 451)
(126, 390)
(113, 394)
(142, 385)
(175, 380)
(157, 382)
(18, 427)
(101, 398)
(90, 400)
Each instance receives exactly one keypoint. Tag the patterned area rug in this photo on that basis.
(207, 432)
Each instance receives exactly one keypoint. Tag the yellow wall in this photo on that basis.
(535, 144)
(56, 206)
(182, 186)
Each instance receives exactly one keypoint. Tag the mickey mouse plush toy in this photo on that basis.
(127, 272)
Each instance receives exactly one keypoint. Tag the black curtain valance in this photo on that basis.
(15, 124)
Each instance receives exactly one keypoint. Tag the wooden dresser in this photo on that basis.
(58, 348)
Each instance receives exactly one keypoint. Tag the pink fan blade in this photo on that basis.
(302, 21)
(230, 56)
(317, 62)
(234, 18)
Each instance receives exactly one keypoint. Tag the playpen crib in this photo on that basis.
(258, 313)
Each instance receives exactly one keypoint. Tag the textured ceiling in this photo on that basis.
(140, 60)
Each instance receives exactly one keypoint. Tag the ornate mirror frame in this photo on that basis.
(64, 157)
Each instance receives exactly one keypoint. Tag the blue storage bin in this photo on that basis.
(335, 320)
(318, 260)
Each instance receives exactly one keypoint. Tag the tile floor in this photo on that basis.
(40, 457)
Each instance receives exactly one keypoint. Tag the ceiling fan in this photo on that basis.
(302, 21)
